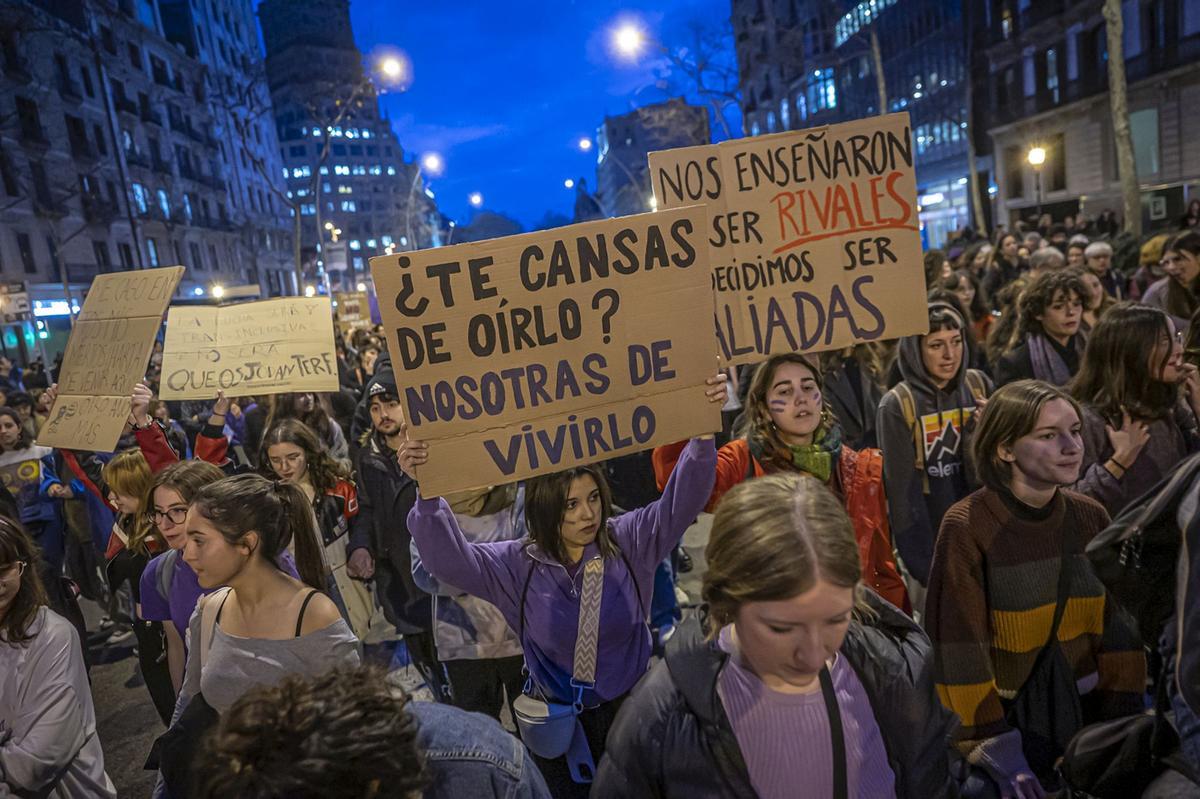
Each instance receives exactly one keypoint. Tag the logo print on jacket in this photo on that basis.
(942, 432)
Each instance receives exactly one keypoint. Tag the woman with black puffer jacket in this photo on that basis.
(790, 647)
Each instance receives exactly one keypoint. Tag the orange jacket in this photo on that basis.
(858, 481)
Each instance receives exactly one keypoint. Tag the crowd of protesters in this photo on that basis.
(897, 574)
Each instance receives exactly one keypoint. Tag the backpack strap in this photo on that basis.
(976, 385)
(908, 407)
(166, 573)
(208, 619)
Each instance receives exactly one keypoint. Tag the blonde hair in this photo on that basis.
(129, 474)
(772, 539)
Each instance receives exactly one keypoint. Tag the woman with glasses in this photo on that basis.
(48, 741)
(1140, 403)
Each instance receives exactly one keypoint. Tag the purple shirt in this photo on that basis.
(184, 592)
(785, 738)
(497, 572)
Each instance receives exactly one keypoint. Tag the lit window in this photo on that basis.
(316, 132)
(187, 207)
(302, 172)
(376, 170)
(359, 169)
(387, 241)
(308, 209)
(140, 199)
(341, 169)
(348, 206)
(371, 244)
(355, 244)
(351, 133)
(345, 189)
(366, 134)
(285, 172)
(391, 170)
(164, 203)
(324, 170)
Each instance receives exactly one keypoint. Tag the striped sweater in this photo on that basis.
(992, 594)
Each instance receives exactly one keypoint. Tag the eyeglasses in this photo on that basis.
(10, 570)
(176, 515)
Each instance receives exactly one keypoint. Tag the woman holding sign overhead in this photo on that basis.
(789, 427)
(577, 566)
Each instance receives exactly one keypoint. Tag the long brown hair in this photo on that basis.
(757, 424)
(323, 471)
(1181, 301)
(283, 406)
(17, 547)
(546, 504)
(1116, 374)
(772, 539)
(280, 514)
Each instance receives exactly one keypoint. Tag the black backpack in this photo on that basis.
(1136, 557)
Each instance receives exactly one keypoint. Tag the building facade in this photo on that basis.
(345, 169)
(112, 157)
(1046, 67)
(623, 142)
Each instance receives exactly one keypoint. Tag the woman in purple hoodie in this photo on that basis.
(536, 582)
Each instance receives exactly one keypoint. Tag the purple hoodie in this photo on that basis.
(496, 572)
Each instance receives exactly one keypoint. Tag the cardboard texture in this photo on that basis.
(353, 310)
(106, 356)
(813, 235)
(528, 354)
(268, 347)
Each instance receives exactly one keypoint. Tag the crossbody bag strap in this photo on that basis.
(1064, 585)
(583, 674)
(841, 789)
(208, 620)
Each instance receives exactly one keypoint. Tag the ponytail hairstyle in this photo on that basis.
(323, 471)
(278, 512)
(17, 547)
(128, 473)
(772, 539)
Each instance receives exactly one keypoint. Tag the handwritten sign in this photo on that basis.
(353, 310)
(268, 347)
(106, 355)
(813, 235)
(527, 354)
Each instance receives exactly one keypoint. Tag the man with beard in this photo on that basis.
(386, 495)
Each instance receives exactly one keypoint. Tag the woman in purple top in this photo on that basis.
(795, 680)
(536, 582)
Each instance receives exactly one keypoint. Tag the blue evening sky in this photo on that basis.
(504, 89)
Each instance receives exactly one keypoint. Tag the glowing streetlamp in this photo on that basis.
(310, 291)
(392, 68)
(570, 184)
(433, 163)
(585, 144)
(218, 291)
(361, 286)
(1037, 157)
(475, 199)
(629, 39)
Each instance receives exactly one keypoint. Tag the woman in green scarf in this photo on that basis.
(787, 426)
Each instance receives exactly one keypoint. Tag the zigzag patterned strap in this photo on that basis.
(586, 640)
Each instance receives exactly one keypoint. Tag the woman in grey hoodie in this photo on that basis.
(925, 424)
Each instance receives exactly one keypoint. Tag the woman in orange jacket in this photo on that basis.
(788, 427)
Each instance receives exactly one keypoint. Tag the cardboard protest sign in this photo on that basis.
(813, 235)
(268, 347)
(353, 310)
(525, 355)
(106, 355)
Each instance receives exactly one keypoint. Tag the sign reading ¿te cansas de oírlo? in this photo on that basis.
(813, 235)
(524, 355)
(267, 347)
(106, 355)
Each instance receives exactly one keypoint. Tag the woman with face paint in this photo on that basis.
(792, 680)
(788, 427)
(1009, 572)
(925, 425)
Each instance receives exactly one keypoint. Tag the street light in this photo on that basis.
(1037, 157)
(585, 144)
(475, 199)
(309, 291)
(361, 286)
(629, 39)
(433, 163)
(218, 291)
(570, 184)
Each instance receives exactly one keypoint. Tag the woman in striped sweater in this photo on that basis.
(993, 591)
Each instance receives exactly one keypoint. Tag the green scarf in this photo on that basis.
(819, 458)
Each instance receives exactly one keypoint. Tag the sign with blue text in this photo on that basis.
(528, 354)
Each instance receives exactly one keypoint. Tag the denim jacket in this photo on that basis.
(469, 754)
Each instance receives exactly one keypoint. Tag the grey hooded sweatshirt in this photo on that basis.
(921, 490)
